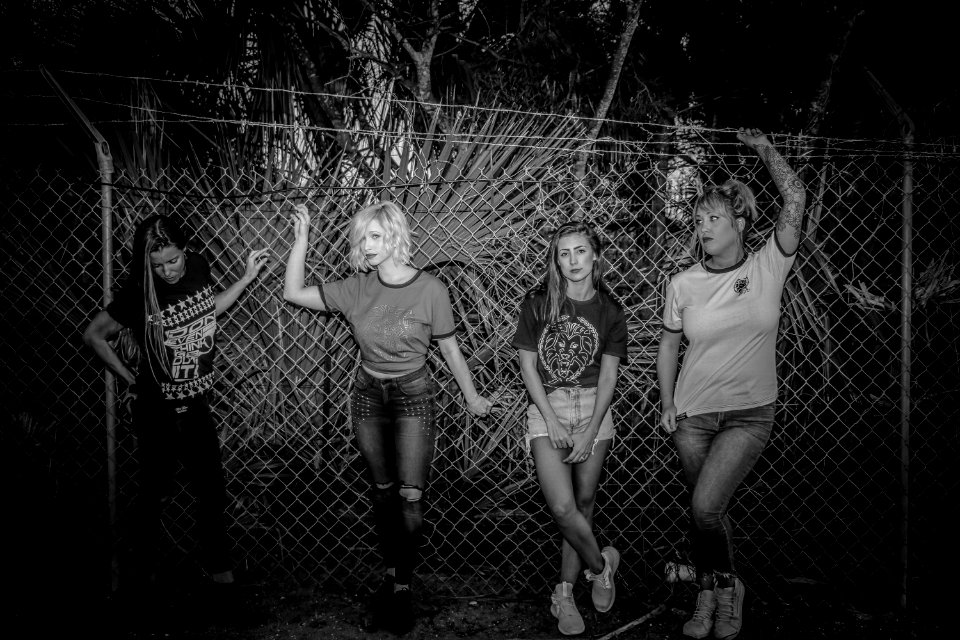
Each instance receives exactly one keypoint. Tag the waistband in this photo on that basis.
(413, 375)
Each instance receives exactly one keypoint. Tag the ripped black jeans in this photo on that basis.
(393, 420)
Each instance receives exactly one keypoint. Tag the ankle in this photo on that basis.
(707, 581)
(725, 580)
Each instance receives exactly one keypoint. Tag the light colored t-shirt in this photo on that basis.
(730, 318)
(392, 324)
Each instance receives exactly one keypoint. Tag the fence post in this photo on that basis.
(105, 163)
(906, 338)
(906, 328)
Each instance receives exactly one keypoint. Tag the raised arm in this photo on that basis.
(98, 332)
(293, 289)
(792, 191)
(255, 262)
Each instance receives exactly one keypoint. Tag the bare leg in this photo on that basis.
(569, 491)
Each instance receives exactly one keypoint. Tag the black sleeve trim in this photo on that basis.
(776, 240)
(444, 335)
(666, 328)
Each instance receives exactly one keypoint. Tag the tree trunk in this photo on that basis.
(613, 79)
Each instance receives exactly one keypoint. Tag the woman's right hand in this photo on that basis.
(301, 223)
(668, 418)
(560, 438)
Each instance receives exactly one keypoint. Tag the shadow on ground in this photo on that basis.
(261, 611)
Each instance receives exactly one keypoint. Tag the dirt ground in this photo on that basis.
(275, 612)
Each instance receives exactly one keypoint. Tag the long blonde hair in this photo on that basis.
(154, 234)
(396, 233)
(554, 285)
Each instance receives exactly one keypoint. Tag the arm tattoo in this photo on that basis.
(791, 190)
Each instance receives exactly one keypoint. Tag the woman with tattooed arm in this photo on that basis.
(721, 412)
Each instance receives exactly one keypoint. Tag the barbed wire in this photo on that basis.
(835, 144)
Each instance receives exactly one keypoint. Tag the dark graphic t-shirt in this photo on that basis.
(189, 326)
(569, 350)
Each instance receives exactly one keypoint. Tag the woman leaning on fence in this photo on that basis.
(171, 306)
(722, 410)
(394, 310)
(571, 336)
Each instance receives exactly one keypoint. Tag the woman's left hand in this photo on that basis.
(479, 406)
(753, 138)
(255, 262)
(582, 447)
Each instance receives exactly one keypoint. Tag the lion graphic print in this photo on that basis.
(566, 349)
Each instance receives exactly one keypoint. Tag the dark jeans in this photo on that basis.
(164, 436)
(393, 420)
(717, 451)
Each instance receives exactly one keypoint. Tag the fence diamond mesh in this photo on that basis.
(824, 503)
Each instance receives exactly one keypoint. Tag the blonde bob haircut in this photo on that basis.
(395, 228)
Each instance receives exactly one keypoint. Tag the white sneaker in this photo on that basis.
(564, 609)
(604, 590)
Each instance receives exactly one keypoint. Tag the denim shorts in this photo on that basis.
(574, 409)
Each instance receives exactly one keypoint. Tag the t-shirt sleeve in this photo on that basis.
(340, 295)
(526, 335)
(772, 259)
(441, 314)
(672, 317)
(616, 343)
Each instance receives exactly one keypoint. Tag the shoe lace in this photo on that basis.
(565, 604)
(724, 603)
(704, 611)
(603, 577)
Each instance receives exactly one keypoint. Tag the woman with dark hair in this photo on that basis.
(170, 305)
(571, 337)
(721, 413)
(395, 310)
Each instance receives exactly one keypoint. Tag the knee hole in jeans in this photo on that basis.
(410, 493)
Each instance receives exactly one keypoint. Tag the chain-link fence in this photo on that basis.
(825, 502)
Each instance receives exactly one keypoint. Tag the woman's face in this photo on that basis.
(168, 263)
(718, 232)
(374, 244)
(575, 257)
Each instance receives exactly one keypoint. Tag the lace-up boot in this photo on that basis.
(700, 625)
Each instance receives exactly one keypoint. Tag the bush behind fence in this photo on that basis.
(824, 503)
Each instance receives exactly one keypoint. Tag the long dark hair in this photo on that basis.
(553, 288)
(154, 234)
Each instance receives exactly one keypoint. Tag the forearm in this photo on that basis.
(458, 367)
(225, 299)
(666, 372)
(534, 385)
(293, 275)
(791, 189)
(606, 385)
(110, 358)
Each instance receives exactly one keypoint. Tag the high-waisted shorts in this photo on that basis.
(574, 409)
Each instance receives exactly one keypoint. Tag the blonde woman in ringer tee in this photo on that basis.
(395, 310)
(721, 412)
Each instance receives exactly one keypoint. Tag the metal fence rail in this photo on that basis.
(823, 504)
